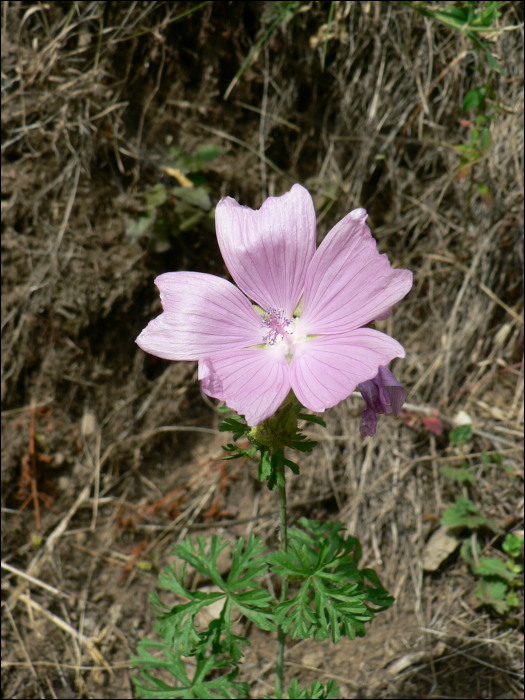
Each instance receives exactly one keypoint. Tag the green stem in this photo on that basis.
(284, 588)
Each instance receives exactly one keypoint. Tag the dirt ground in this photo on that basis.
(111, 456)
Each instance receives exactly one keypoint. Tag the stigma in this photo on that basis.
(279, 327)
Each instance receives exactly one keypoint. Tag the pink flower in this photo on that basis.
(250, 358)
(382, 394)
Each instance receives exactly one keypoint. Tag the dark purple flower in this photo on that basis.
(382, 394)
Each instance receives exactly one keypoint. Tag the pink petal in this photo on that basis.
(326, 370)
(268, 251)
(202, 314)
(348, 283)
(253, 381)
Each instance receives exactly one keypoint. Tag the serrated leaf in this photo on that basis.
(493, 593)
(492, 566)
(463, 513)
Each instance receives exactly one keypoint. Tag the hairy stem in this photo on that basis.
(284, 588)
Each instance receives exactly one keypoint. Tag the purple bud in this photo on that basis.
(382, 394)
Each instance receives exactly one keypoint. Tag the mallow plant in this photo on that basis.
(293, 338)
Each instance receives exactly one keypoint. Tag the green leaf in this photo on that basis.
(513, 545)
(293, 466)
(234, 425)
(147, 686)
(492, 566)
(474, 98)
(176, 624)
(462, 475)
(460, 435)
(316, 691)
(497, 458)
(311, 419)
(194, 196)
(208, 153)
(493, 593)
(265, 467)
(136, 228)
(156, 196)
(463, 513)
(330, 599)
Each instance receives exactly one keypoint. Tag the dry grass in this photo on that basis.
(90, 93)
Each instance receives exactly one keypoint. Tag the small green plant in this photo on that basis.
(170, 211)
(473, 19)
(487, 106)
(324, 593)
(460, 435)
(498, 574)
(464, 514)
(477, 21)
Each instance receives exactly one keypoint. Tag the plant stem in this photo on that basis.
(284, 587)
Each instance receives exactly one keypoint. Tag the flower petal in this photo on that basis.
(268, 251)
(382, 394)
(202, 314)
(326, 370)
(253, 381)
(349, 284)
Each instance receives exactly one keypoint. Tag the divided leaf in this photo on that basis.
(331, 599)
(177, 624)
(147, 686)
(317, 691)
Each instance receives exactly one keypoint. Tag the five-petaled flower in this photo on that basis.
(250, 356)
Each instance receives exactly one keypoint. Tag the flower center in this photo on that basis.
(277, 325)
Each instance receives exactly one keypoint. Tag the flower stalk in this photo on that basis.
(284, 585)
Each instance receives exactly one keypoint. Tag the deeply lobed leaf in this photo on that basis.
(331, 599)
